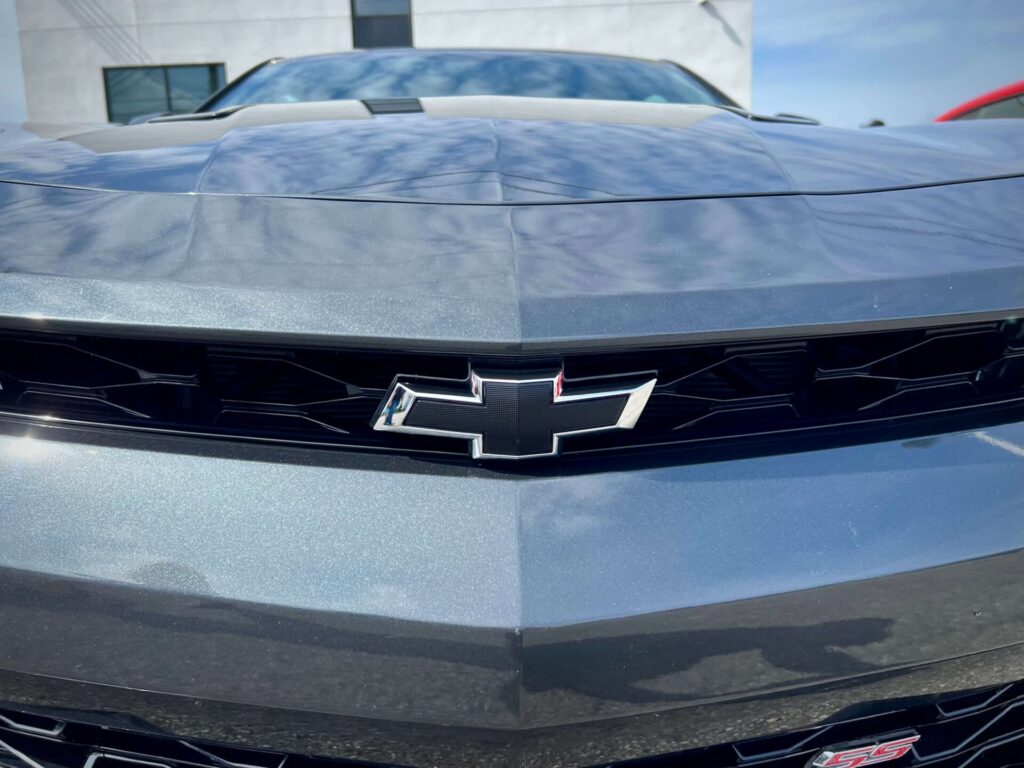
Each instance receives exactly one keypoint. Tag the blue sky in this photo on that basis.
(841, 61)
(904, 61)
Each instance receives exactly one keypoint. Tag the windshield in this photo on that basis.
(410, 73)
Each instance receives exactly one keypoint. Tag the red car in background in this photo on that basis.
(1007, 101)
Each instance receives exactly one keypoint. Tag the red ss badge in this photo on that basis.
(860, 756)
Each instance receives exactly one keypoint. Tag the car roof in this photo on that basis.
(426, 52)
(1007, 91)
(470, 50)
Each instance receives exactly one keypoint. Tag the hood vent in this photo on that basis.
(392, 106)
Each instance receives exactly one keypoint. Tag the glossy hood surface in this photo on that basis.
(393, 608)
(501, 149)
(507, 223)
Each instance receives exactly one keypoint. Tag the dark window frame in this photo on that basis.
(217, 83)
(978, 113)
(356, 16)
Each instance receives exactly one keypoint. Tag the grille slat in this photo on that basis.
(706, 394)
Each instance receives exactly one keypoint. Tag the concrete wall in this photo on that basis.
(12, 84)
(66, 43)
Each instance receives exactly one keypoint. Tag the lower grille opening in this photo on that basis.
(980, 729)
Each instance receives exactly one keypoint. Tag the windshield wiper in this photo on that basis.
(190, 116)
(779, 118)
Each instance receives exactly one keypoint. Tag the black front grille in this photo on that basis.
(980, 729)
(706, 395)
(28, 740)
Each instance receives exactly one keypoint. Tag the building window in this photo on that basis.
(135, 91)
(381, 23)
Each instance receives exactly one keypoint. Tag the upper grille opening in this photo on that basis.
(714, 394)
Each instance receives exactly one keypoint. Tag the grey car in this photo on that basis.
(501, 408)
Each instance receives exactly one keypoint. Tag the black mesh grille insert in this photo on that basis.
(706, 395)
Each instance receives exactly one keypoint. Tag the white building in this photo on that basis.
(94, 60)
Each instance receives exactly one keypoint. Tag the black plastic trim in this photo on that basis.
(711, 400)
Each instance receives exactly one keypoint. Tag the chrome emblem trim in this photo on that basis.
(404, 394)
(863, 756)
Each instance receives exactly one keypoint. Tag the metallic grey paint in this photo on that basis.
(496, 150)
(504, 602)
(509, 276)
(390, 608)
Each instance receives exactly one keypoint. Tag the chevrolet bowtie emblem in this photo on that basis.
(505, 417)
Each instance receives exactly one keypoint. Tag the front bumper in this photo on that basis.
(398, 611)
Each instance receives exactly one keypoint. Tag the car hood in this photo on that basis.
(503, 232)
(500, 149)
